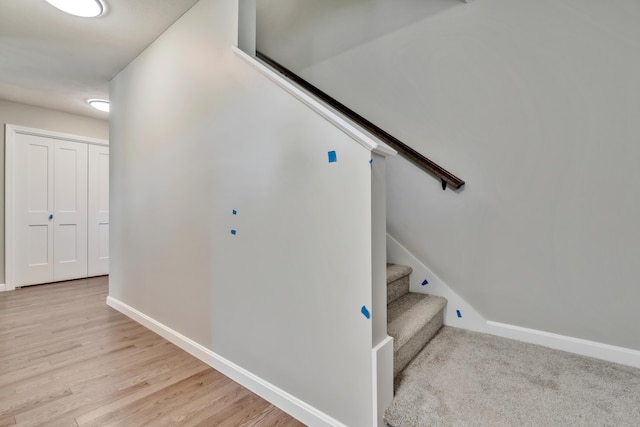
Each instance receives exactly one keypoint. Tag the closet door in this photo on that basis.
(98, 210)
(70, 210)
(48, 227)
(33, 210)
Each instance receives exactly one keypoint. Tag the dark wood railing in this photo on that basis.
(446, 177)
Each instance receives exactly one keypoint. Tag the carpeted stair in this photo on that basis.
(412, 319)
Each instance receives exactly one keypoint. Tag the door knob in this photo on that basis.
(50, 216)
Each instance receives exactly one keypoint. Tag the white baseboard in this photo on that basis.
(2, 287)
(611, 353)
(469, 318)
(304, 412)
(472, 320)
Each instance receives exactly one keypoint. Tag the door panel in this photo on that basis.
(67, 249)
(66, 178)
(38, 245)
(98, 210)
(38, 177)
(70, 210)
(34, 158)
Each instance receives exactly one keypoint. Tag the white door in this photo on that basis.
(70, 210)
(50, 210)
(47, 229)
(98, 210)
(33, 210)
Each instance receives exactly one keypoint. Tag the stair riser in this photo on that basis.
(397, 289)
(403, 355)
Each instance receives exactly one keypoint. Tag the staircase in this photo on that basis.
(412, 319)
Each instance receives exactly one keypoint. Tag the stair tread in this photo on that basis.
(410, 313)
(396, 271)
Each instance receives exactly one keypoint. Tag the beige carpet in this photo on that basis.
(468, 379)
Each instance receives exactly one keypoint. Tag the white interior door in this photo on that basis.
(34, 226)
(70, 210)
(98, 210)
(47, 229)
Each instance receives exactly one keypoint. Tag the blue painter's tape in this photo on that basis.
(235, 212)
(333, 157)
(425, 282)
(458, 313)
(234, 232)
(365, 312)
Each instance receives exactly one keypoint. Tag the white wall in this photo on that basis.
(196, 133)
(41, 118)
(535, 104)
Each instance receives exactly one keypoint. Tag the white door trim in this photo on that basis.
(10, 140)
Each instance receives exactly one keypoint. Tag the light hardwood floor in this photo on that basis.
(67, 359)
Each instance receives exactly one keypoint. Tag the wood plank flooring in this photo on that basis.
(67, 359)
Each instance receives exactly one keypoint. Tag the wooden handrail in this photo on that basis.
(446, 177)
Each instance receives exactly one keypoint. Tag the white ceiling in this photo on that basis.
(54, 60)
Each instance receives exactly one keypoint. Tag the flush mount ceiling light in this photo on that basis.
(83, 8)
(99, 104)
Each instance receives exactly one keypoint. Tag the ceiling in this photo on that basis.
(58, 61)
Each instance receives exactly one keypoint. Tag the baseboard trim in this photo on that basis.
(3, 287)
(302, 411)
(468, 317)
(472, 320)
(610, 353)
